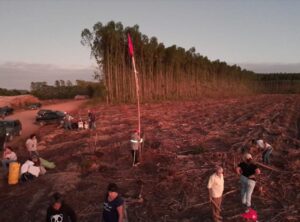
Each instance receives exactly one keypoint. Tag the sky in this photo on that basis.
(40, 39)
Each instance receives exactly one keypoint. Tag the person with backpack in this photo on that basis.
(59, 211)
(247, 170)
(113, 206)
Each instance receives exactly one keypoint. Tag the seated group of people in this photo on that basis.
(31, 168)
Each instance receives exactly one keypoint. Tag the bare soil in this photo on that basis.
(183, 143)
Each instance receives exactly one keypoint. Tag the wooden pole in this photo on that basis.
(137, 90)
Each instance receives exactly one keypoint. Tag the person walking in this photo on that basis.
(215, 188)
(135, 147)
(31, 145)
(247, 170)
(8, 157)
(113, 207)
(59, 211)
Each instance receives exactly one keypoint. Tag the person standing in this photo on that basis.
(135, 147)
(247, 171)
(113, 207)
(8, 157)
(59, 211)
(91, 120)
(215, 188)
(31, 145)
(267, 150)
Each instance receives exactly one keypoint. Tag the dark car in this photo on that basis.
(48, 116)
(5, 111)
(34, 106)
(11, 128)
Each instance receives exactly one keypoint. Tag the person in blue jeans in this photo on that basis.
(247, 171)
(266, 153)
(267, 150)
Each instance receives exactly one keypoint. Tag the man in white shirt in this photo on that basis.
(216, 187)
(267, 150)
(31, 145)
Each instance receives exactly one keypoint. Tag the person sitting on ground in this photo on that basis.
(216, 187)
(113, 207)
(31, 145)
(29, 171)
(267, 150)
(135, 147)
(247, 170)
(8, 157)
(59, 211)
(37, 163)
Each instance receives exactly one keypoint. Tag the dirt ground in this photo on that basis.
(183, 143)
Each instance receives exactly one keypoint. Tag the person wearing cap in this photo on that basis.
(135, 147)
(59, 211)
(113, 207)
(247, 171)
(216, 187)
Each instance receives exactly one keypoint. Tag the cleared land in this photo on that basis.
(184, 140)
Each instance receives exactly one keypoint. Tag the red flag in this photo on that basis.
(130, 46)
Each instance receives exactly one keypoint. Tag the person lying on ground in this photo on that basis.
(8, 157)
(59, 211)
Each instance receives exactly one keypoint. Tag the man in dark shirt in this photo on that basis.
(91, 120)
(247, 171)
(113, 205)
(58, 211)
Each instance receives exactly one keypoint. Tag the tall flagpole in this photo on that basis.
(137, 90)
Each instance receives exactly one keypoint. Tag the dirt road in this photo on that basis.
(27, 117)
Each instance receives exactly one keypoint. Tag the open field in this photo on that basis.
(183, 142)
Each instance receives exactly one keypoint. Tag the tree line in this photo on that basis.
(164, 72)
(12, 92)
(66, 90)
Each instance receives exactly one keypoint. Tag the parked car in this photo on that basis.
(12, 128)
(48, 116)
(34, 106)
(5, 111)
(2, 137)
